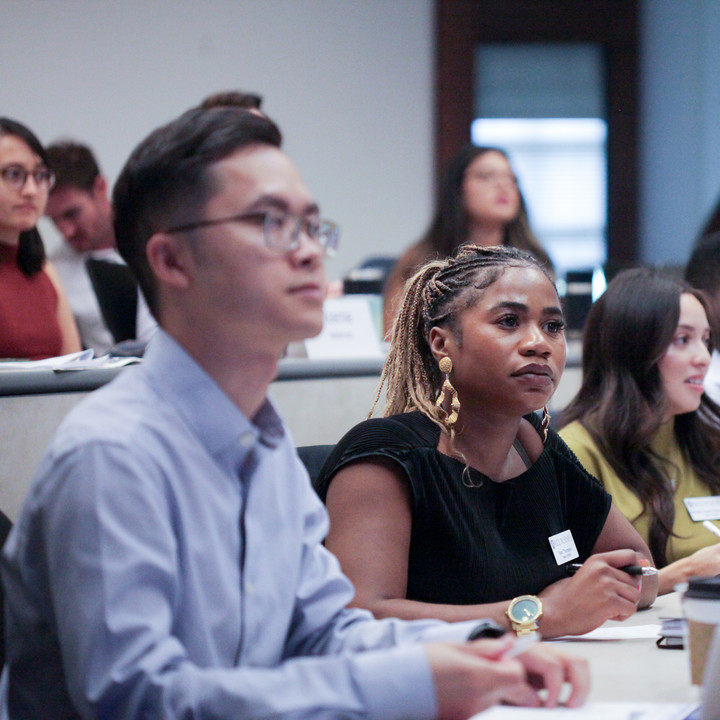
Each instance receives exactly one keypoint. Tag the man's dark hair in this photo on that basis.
(167, 180)
(74, 165)
(232, 98)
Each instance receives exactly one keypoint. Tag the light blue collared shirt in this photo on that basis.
(168, 563)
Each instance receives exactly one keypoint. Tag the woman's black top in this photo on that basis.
(479, 544)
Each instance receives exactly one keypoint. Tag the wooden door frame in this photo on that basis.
(461, 25)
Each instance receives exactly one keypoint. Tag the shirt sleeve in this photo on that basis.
(390, 438)
(114, 607)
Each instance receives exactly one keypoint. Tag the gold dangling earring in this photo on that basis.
(545, 423)
(448, 419)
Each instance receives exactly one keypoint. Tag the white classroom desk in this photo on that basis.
(637, 670)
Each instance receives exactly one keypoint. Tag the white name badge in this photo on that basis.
(563, 547)
(349, 329)
(703, 508)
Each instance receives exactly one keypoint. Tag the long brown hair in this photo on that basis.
(622, 401)
(450, 225)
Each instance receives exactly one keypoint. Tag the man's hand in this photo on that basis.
(471, 678)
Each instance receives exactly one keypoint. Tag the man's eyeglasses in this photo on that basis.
(16, 176)
(281, 230)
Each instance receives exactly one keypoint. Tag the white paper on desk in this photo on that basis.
(50, 363)
(594, 711)
(106, 361)
(617, 632)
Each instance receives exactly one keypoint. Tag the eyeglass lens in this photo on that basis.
(282, 231)
(17, 175)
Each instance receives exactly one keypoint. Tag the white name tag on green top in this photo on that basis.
(563, 547)
(703, 508)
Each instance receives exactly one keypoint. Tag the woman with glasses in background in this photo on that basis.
(479, 203)
(35, 318)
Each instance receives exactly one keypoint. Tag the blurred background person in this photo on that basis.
(80, 208)
(641, 422)
(479, 202)
(35, 317)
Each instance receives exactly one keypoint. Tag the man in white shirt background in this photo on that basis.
(79, 206)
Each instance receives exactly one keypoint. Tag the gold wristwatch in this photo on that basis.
(524, 612)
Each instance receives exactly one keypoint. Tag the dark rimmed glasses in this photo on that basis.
(281, 230)
(16, 176)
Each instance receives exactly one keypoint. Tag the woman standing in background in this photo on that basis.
(479, 203)
(35, 317)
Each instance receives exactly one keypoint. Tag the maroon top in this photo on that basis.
(29, 326)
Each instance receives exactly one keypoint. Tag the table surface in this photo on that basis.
(636, 670)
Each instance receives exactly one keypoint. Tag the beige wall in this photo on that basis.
(350, 82)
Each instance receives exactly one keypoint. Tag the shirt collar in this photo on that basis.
(219, 424)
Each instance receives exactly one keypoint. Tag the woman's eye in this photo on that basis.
(555, 326)
(509, 321)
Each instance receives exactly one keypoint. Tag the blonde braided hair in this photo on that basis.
(435, 296)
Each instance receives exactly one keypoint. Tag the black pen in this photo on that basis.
(572, 568)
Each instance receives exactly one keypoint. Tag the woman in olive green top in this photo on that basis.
(641, 422)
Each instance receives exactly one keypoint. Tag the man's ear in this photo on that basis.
(170, 260)
(100, 188)
(439, 340)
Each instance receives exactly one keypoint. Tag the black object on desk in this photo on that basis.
(117, 293)
(486, 629)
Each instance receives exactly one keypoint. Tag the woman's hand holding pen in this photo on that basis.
(600, 590)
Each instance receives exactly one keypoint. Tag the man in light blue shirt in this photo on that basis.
(168, 562)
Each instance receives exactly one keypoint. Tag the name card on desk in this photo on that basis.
(350, 329)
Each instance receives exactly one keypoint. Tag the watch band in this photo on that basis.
(522, 629)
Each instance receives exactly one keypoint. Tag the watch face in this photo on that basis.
(525, 609)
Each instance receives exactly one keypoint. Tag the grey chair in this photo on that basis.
(314, 457)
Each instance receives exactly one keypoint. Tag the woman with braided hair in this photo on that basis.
(460, 502)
